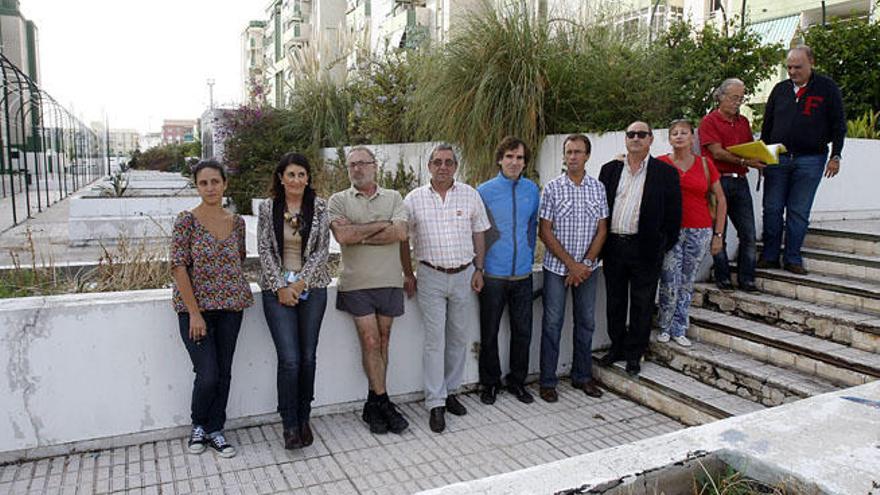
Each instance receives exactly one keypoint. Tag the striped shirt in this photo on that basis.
(441, 230)
(574, 211)
(628, 201)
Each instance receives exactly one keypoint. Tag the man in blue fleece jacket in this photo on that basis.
(512, 204)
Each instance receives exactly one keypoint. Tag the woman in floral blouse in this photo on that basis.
(293, 237)
(210, 294)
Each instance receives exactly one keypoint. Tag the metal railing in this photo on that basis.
(46, 152)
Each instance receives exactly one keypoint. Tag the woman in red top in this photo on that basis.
(698, 231)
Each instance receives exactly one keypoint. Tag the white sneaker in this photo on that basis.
(682, 341)
(663, 337)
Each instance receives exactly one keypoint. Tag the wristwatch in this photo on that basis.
(835, 158)
(719, 235)
(590, 263)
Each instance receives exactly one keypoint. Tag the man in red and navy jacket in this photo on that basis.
(804, 113)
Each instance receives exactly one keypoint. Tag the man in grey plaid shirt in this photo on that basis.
(573, 227)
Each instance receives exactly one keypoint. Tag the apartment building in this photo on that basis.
(178, 131)
(253, 61)
(300, 35)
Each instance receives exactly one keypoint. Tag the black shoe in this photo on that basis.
(633, 367)
(766, 264)
(796, 269)
(305, 433)
(198, 440)
(520, 393)
(454, 406)
(221, 446)
(749, 288)
(589, 387)
(395, 421)
(610, 358)
(292, 439)
(437, 422)
(488, 394)
(374, 418)
(724, 285)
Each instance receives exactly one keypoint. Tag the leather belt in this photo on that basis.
(624, 237)
(446, 270)
(734, 175)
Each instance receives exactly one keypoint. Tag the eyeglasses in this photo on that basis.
(439, 163)
(360, 164)
(640, 134)
(735, 98)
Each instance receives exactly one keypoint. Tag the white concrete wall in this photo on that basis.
(89, 366)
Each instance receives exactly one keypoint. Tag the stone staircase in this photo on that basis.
(801, 336)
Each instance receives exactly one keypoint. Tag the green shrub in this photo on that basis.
(864, 127)
(849, 52)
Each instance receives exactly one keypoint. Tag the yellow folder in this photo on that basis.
(768, 154)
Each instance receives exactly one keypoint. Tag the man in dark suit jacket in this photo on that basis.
(645, 202)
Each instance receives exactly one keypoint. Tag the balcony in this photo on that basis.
(394, 28)
(297, 34)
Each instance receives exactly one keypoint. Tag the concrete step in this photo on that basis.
(825, 359)
(847, 327)
(862, 296)
(739, 374)
(843, 241)
(673, 394)
(834, 263)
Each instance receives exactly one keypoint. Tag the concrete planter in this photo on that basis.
(89, 366)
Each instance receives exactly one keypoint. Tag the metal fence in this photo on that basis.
(46, 153)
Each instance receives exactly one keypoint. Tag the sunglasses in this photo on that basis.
(640, 134)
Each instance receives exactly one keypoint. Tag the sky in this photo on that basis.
(140, 61)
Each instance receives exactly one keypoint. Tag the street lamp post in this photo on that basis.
(210, 82)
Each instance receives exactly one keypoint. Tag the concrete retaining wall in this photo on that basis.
(88, 366)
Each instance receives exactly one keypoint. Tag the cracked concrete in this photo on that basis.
(18, 370)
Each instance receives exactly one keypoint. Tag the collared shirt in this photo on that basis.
(628, 199)
(575, 211)
(716, 128)
(367, 266)
(441, 230)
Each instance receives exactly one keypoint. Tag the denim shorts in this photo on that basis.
(386, 301)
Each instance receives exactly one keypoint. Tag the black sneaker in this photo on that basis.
(374, 418)
(219, 444)
(198, 442)
(395, 421)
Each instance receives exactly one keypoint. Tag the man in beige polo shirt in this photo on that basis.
(369, 223)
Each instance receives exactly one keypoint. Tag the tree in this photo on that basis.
(693, 66)
(849, 52)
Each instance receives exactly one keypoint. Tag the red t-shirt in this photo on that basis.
(715, 128)
(694, 206)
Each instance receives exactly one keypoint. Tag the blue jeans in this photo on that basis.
(517, 296)
(295, 333)
(742, 214)
(789, 188)
(583, 302)
(677, 279)
(212, 363)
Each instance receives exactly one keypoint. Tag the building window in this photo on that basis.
(279, 90)
(277, 33)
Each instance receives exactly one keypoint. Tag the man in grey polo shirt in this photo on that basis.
(369, 223)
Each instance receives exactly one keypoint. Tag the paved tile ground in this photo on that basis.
(347, 459)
